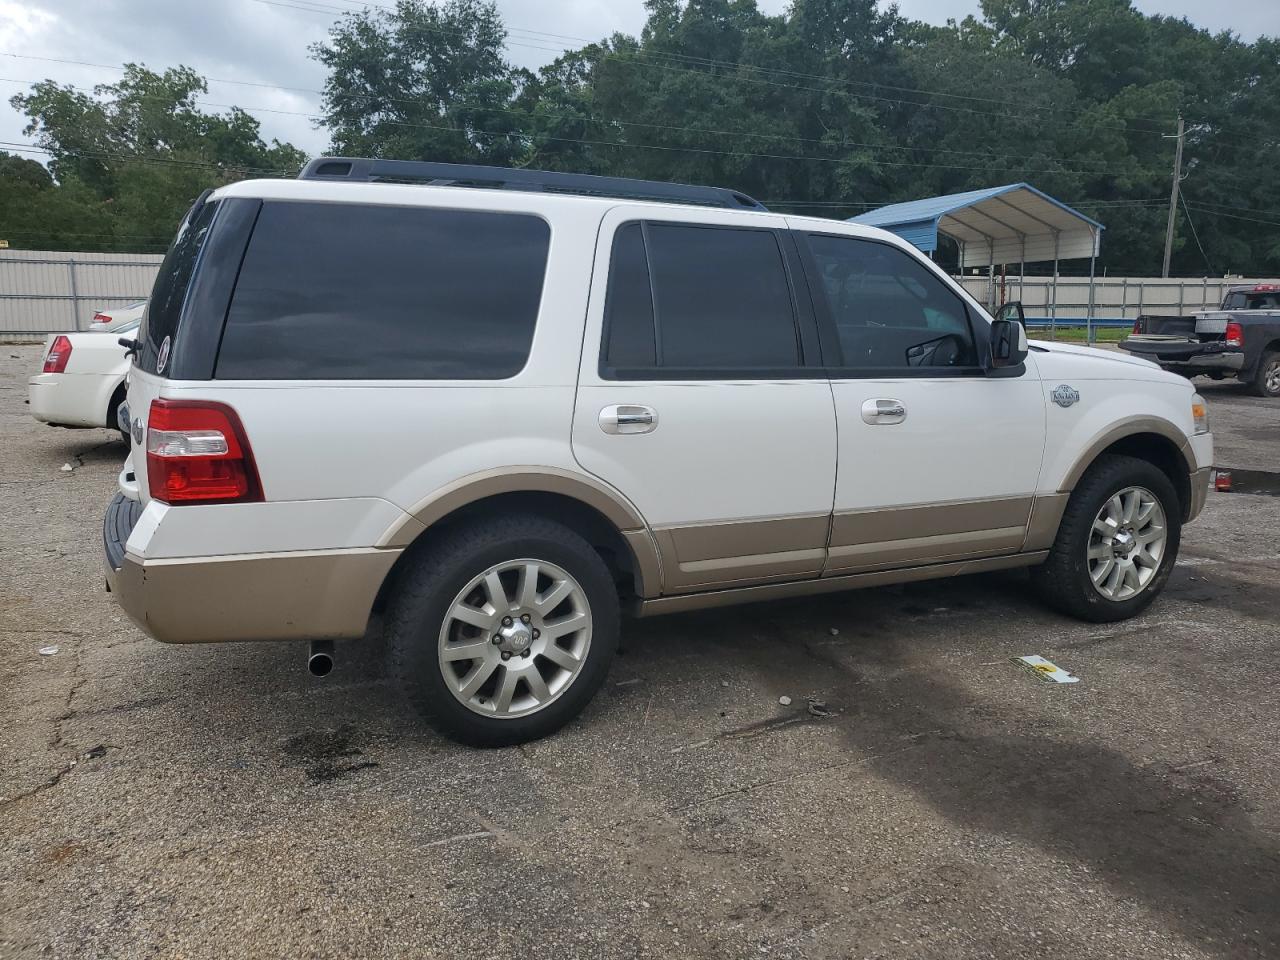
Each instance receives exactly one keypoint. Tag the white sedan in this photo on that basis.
(115, 319)
(82, 381)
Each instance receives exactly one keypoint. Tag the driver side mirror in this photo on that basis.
(1013, 311)
(1008, 343)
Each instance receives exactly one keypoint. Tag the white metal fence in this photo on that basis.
(1114, 298)
(52, 291)
(47, 291)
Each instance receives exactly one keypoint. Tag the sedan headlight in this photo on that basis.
(1199, 414)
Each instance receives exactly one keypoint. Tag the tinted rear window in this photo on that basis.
(340, 291)
(722, 298)
(1251, 301)
(170, 290)
(697, 300)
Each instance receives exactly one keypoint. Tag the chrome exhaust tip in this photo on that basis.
(320, 658)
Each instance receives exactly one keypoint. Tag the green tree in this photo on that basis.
(130, 157)
(422, 81)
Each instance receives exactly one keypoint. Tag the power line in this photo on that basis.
(353, 6)
(1231, 216)
(1194, 233)
(314, 4)
(1223, 206)
(17, 147)
(630, 123)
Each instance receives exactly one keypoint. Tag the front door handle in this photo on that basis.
(881, 412)
(628, 418)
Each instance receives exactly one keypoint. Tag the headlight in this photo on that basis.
(1199, 414)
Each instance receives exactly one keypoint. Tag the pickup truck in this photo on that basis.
(1242, 339)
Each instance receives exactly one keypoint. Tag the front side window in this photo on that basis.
(698, 300)
(890, 312)
(344, 291)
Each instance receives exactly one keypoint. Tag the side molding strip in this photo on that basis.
(778, 591)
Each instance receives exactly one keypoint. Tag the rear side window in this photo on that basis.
(340, 291)
(698, 300)
(169, 292)
(630, 338)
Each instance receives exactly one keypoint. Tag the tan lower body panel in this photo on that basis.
(1200, 481)
(311, 595)
(1046, 517)
(901, 536)
(698, 556)
(817, 585)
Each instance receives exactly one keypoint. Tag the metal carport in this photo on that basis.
(1015, 223)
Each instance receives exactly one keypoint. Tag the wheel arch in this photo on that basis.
(1156, 441)
(115, 398)
(601, 515)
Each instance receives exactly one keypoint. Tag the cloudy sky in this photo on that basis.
(265, 42)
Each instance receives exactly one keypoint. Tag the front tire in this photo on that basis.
(1116, 545)
(504, 630)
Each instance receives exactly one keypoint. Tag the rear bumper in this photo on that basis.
(69, 399)
(300, 595)
(1186, 356)
(48, 402)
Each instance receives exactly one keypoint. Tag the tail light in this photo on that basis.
(102, 318)
(1235, 334)
(55, 361)
(1137, 325)
(197, 452)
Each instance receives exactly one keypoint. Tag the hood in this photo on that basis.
(1093, 353)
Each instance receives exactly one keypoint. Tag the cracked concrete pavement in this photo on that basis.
(216, 801)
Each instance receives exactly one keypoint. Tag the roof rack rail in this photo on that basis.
(352, 169)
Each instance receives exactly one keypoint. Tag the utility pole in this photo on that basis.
(1173, 200)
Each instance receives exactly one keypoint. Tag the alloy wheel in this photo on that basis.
(1127, 543)
(1272, 380)
(514, 638)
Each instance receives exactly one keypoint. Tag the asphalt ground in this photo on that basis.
(217, 801)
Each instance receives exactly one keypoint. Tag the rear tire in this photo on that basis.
(113, 411)
(488, 661)
(1088, 538)
(1266, 382)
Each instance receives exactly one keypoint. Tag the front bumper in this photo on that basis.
(1201, 480)
(1184, 355)
(298, 595)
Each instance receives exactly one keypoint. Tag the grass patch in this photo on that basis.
(1077, 334)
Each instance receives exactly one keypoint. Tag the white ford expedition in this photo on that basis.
(497, 408)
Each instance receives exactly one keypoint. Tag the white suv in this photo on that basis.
(499, 407)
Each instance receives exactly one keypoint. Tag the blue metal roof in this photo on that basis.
(1012, 221)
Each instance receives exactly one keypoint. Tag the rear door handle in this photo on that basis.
(628, 418)
(880, 412)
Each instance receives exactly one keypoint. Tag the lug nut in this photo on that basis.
(525, 618)
(525, 652)
(537, 634)
(497, 640)
(506, 621)
(506, 655)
